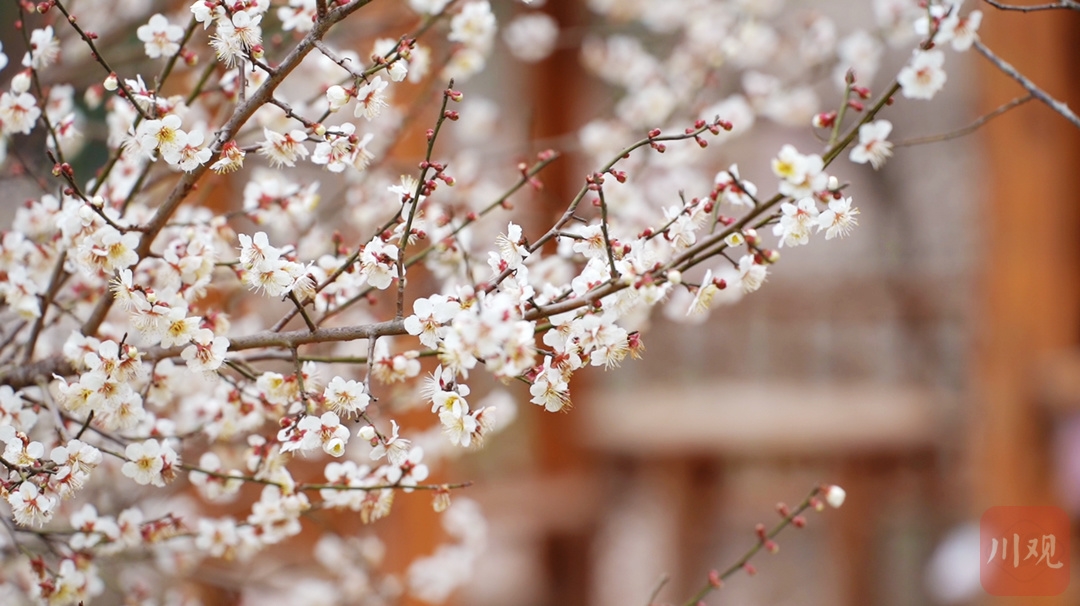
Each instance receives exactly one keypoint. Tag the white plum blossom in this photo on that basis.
(343, 149)
(371, 99)
(429, 316)
(550, 388)
(378, 263)
(394, 448)
(108, 250)
(393, 368)
(704, 296)
(428, 7)
(160, 38)
(532, 36)
(150, 462)
(410, 471)
(838, 219)
(795, 222)
(206, 352)
(205, 11)
(299, 15)
(923, 76)
(180, 328)
(44, 49)
(966, 31)
(733, 189)
(802, 175)
(30, 506)
(236, 36)
(337, 97)
(512, 247)
(283, 149)
(232, 159)
(752, 274)
(313, 432)
(188, 153)
(474, 26)
(158, 135)
(18, 113)
(873, 146)
(346, 397)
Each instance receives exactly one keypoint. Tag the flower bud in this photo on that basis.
(824, 120)
(834, 496)
(21, 82)
(111, 82)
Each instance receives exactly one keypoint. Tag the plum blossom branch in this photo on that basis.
(424, 187)
(1010, 71)
(89, 38)
(1069, 4)
(604, 230)
(239, 117)
(970, 128)
(765, 539)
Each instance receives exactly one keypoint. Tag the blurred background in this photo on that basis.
(928, 364)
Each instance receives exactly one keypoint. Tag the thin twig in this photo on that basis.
(421, 186)
(656, 591)
(1069, 4)
(1010, 71)
(970, 128)
(604, 230)
(750, 553)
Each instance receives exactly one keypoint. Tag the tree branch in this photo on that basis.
(1069, 4)
(1010, 71)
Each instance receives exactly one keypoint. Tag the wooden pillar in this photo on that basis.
(1030, 278)
(557, 84)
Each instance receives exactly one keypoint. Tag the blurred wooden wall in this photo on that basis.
(1030, 278)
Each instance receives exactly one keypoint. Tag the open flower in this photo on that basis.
(160, 38)
(923, 77)
(873, 146)
(31, 507)
(838, 219)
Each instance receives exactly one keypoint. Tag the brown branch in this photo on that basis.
(1010, 71)
(96, 54)
(421, 188)
(967, 130)
(28, 374)
(1069, 4)
(714, 584)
